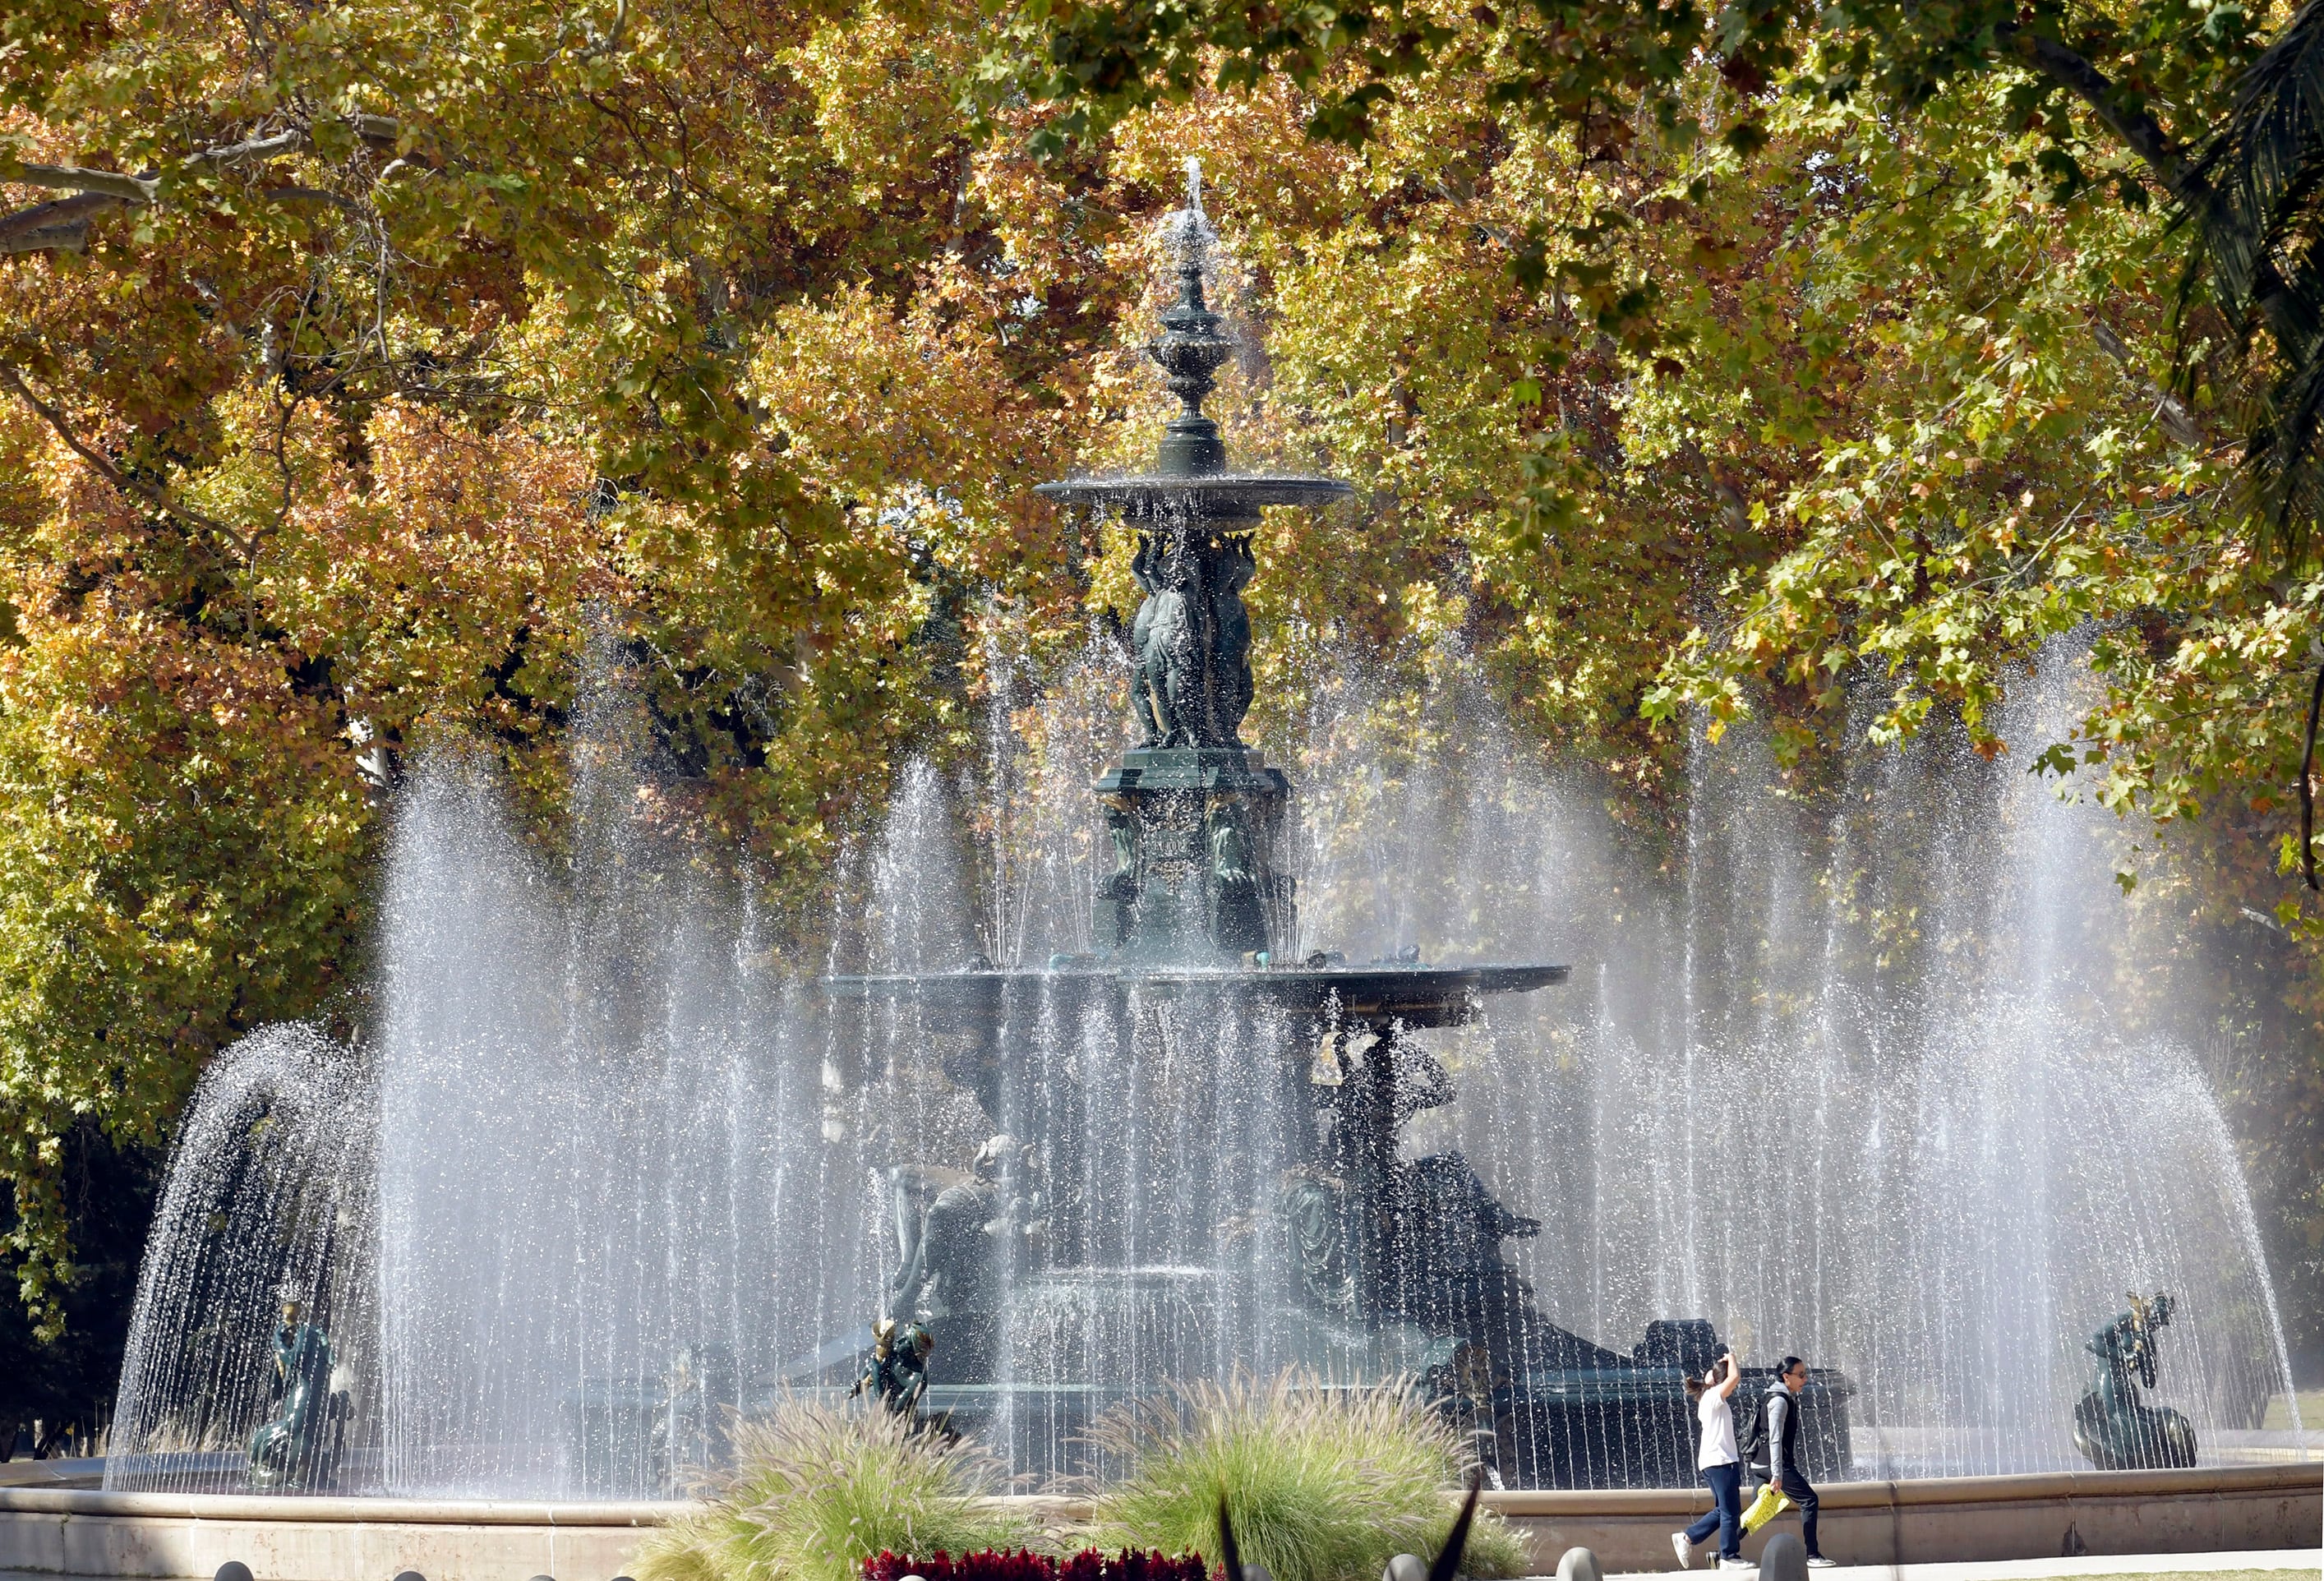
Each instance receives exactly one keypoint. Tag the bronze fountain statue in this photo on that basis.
(297, 1446)
(2114, 1426)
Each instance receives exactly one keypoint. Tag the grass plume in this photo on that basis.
(1322, 1484)
(816, 1491)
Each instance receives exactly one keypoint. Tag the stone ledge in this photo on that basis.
(82, 1532)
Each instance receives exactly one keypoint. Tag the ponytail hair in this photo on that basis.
(1694, 1387)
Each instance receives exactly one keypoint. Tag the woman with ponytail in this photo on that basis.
(1720, 1466)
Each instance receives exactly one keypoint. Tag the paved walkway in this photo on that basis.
(2307, 1561)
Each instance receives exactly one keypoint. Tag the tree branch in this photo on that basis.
(2169, 409)
(2140, 131)
(260, 148)
(310, 195)
(13, 381)
(73, 179)
(64, 223)
(47, 226)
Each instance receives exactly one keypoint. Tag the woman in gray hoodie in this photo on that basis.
(1785, 1468)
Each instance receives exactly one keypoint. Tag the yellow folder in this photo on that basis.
(1770, 1503)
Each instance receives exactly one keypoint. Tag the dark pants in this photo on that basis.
(1725, 1515)
(1796, 1489)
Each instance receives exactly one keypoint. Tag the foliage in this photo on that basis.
(2228, 135)
(1322, 1483)
(66, 1384)
(429, 352)
(983, 1565)
(1091, 1564)
(816, 1492)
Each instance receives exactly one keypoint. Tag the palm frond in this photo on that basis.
(2257, 199)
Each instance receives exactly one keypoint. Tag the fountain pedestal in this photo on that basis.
(1195, 832)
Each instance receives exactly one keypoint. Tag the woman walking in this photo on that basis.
(1720, 1466)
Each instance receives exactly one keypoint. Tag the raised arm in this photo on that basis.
(1734, 1376)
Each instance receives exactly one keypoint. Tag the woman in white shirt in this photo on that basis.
(1720, 1466)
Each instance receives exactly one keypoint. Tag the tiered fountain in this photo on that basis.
(1073, 1268)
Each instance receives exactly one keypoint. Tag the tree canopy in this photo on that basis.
(365, 368)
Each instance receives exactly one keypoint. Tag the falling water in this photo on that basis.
(1883, 1075)
(266, 1203)
(1872, 1068)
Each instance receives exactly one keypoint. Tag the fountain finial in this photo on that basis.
(1190, 347)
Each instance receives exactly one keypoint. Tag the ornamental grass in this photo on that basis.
(1322, 1483)
(816, 1492)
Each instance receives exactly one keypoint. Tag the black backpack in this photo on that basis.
(1753, 1443)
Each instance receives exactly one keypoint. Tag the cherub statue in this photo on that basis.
(896, 1373)
(289, 1449)
(2114, 1427)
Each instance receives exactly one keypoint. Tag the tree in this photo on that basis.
(2224, 131)
(373, 365)
(384, 367)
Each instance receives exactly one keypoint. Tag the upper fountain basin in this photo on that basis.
(1414, 995)
(1218, 495)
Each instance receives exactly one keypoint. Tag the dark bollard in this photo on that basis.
(233, 1570)
(1784, 1559)
(1578, 1565)
(410, 1576)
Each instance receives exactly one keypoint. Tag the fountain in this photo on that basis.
(1846, 1076)
(1053, 1290)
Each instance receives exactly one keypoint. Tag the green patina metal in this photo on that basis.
(1195, 817)
(2114, 1426)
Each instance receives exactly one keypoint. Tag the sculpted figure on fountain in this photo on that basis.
(2114, 1426)
(1190, 680)
(896, 1374)
(957, 1238)
(293, 1449)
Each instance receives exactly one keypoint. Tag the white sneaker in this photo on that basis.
(1683, 1550)
(1817, 1562)
(1737, 1564)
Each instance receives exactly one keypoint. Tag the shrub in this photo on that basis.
(1322, 1483)
(1023, 1564)
(816, 1492)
